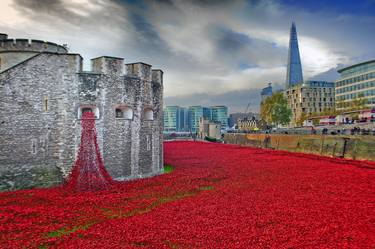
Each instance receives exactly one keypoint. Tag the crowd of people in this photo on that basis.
(353, 131)
(347, 120)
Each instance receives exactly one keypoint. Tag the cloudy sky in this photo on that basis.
(212, 52)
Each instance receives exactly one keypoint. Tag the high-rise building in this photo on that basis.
(310, 97)
(219, 113)
(356, 81)
(184, 114)
(195, 113)
(305, 98)
(294, 71)
(266, 92)
(174, 119)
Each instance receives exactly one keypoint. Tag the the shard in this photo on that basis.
(294, 72)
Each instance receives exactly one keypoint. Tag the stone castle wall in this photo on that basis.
(345, 146)
(41, 100)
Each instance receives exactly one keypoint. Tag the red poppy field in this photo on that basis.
(217, 196)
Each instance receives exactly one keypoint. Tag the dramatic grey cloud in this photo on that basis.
(212, 52)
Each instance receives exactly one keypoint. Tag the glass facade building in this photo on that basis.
(294, 70)
(194, 114)
(219, 113)
(356, 81)
(175, 119)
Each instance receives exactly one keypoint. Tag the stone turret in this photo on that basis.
(140, 70)
(25, 45)
(157, 76)
(15, 51)
(108, 65)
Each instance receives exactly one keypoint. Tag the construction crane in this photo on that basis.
(248, 107)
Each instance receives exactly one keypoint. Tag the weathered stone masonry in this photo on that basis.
(43, 92)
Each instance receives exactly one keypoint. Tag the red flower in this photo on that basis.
(218, 196)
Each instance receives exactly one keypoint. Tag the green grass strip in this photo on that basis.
(168, 169)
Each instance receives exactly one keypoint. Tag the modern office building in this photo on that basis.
(310, 97)
(266, 92)
(219, 113)
(194, 114)
(356, 81)
(294, 71)
(174, 119)
(185, 123)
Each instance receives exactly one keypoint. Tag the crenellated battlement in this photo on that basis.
(157, 76)
(115, 66)
(139, 69)
(26, 45)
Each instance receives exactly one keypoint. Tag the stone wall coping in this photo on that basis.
(21, 44)
(128, 64)
(157, 70)
(110, 57)
(32, 57)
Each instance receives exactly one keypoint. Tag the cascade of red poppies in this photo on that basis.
(88, 172)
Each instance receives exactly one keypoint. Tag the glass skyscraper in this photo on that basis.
(175, 119)
(195, 113)
(294, 71)
(219, 113)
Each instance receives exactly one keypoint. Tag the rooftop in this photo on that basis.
(355, 65)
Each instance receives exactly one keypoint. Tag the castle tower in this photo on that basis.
(44, 95)
(294, 71)
(15, 51)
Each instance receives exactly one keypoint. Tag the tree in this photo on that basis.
(265, 110)
(274, 109)
(302, 118)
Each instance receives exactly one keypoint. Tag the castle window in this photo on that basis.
(148, 143)
(148, 114)
(124, 112)
(45, 104)
(119, 113)
(88, 108)
(33, 146)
